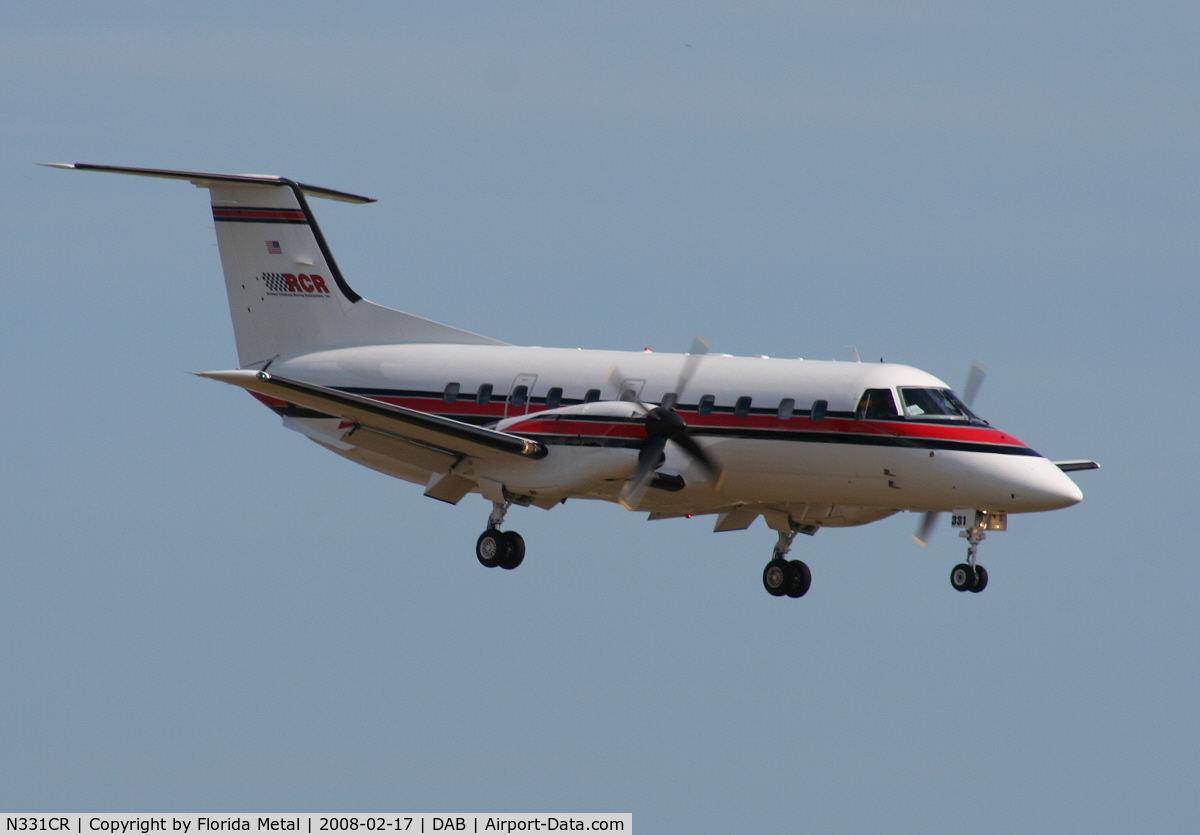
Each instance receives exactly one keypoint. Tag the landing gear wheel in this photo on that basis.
(777, 577)
(980, 579)
(491, 549)
(514, 545)
(962, 577)
(799, 579)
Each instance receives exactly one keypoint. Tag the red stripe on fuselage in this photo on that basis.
(600, 429)
(636, 430)
(899, 429)
(257, 214)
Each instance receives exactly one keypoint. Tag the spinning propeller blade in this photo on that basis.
(650, 458)
(928, 523)
(695, 353)
(975, 377)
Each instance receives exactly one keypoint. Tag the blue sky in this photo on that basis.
(202, 612)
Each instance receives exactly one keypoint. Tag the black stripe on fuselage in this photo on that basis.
(855, 439)
(930, 444)
(259, 220)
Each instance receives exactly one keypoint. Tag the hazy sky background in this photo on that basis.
(200, 611)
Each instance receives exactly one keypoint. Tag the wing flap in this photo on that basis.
(446, 436)
(419, 455)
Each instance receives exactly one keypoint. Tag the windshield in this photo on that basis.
(935, 403)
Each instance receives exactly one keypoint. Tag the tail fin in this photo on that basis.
(286, 293)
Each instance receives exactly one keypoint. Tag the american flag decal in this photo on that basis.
(273, 248)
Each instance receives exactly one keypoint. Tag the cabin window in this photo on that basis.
(554, 398)
(669, 399)
(938, 403)
(742, 408)
(592, 396)
(484, 396)
(876, 404)
(450, 395)
(786, 407)
(706, 405)
(520, 396)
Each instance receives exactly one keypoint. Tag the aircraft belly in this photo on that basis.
(873, 476)
(790, 471)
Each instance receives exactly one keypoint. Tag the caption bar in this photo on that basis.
(207, 824)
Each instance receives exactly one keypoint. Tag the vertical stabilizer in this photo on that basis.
(286, 294)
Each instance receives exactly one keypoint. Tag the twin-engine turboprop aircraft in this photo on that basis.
(803, 444)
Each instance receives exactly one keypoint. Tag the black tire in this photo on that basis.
(776, 577)
(514, 545)
(962, 577)
(491, 549)
(980, 579)
(801, 579)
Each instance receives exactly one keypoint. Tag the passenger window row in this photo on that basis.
(519, 396)
(705, 407)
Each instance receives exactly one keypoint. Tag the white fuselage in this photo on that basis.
(842, 470)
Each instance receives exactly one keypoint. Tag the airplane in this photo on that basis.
(803, 444)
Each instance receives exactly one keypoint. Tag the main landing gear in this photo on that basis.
(783, 576)
(967, 576)
(496, 547)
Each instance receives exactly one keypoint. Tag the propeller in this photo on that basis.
(663, 424)
(975, 377)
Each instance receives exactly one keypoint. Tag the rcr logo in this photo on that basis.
(287, 283)
(305, 283)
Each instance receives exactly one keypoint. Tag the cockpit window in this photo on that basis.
(877, 404)
(934, 403)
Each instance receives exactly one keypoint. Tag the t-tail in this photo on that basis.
(286, 294)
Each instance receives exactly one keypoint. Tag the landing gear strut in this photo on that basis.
(496, 547)
(783, 576)
(967, 576)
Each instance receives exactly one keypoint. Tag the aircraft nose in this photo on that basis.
(1046, 487)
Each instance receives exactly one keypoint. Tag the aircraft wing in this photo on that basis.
(433, 431)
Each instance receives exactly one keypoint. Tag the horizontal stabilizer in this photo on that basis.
(202, 179)
(421, 427)
(1072, 466)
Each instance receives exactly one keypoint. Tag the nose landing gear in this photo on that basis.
(495, 547)
(967, 576)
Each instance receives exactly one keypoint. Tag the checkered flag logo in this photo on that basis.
(275, 282)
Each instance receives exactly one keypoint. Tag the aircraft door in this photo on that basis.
(631, 390)
(519, 395)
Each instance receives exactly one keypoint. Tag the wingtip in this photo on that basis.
(919, 541)
(229, 376)
(57, 164)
